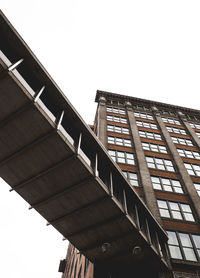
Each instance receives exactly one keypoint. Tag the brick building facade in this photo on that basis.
(157, 146)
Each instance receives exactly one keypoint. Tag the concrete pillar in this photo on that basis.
(180, 165)
(149, 194)
(102, 121)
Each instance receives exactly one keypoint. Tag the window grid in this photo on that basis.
(132, 178)
(197, 126)
(189, 154)
(141, 107)
(154, 147)
(184, 246)
(173, 210)
(192, 169)
(160, 164)
(198, 134)
(182, 141)
(117, 119)
(176, 130)
(147, 125)
(142, 115)
(165, 184)
(118, 129)
(116, 110)
(171, 121)
(119, 141)
(114, 102)
(150, 135)
(122, 157)
(197, 186)
(170, 113)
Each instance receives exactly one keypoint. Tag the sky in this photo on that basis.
(146, 49)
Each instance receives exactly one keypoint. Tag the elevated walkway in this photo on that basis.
(51, 158)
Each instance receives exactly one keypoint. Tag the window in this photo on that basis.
(176, 130)
(122, 157)
(197, 126)
(144, 116)
(114, 102)
(119, 141)
(182, 141)
(198, 134)
(141, 107)
(116, 110)
(192, 169)
(171, 121)
(154, 147)
(184, 246)
(117, 119)
(189, 154)
(147, 125)
(160, 164)
(170, 113)
(132, 177)
(165, 184)
(197, 186)
(118, 129)
(150, 135)
(174, 210)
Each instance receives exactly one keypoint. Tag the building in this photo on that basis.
(157, 147)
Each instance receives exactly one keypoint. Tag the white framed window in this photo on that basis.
(119, 141)
(150, 135)
(197, 186)
(189, 154)
(122, 157)
(198, 134)
(117, 119)
(143, 116)
(171, 121)
(176, 130)
(174, 210)
(192, 169)
(164, 184)
(154, 147)
(132, 178)
(197, 126)
(147, 125)
(116, 110)
(160, 164)
(182, 141)
(118, 129)
(184, 246)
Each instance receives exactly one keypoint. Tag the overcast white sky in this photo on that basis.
(147, 49)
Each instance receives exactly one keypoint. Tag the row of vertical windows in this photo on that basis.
(150, 135)
(174, 210)
(119, 141)
(195, 126)
(182, 141)
(147, 125)
(176, 130)
(115, 110)
(117, 119)
(188, 154)
(118, 129)
(122, 157)
(184, 246)
(170, 121)
(165, 184)
(160, 164)
(132, 177)
(192, 169)
(142, 115)
(154, 147)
